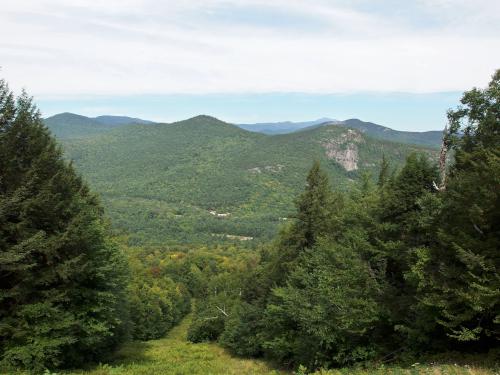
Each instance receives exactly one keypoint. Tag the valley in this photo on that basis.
(159, 182)
(249, 187)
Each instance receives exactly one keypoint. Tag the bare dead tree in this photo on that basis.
(442, 159)
(442, 162)
(223, 310)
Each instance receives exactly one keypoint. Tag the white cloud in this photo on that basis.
(55, 47)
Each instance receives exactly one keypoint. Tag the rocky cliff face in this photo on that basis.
(344, 149)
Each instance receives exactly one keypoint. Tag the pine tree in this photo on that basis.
(314, 219)
(62, 282)
(401, 232)
(328, 311)
(460, 274)
(314, 209)
(383, 175)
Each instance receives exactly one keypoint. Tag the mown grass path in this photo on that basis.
(174, 355)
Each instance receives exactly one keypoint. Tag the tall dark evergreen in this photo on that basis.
(401, 231)
(61, 281)
(314, 210)
(383, 175)
(460, 273)
(312, 220)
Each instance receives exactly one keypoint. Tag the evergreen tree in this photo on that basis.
(383, 175)
(314, 212)
(313, 209)
(396, 235)
(62, 282)
(459, 274)
(327, 313)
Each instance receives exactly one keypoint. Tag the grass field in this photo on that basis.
(174, 355)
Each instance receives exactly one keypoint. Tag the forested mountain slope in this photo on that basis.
(69, 125)
(283, 127)
(202, 179)
(428, 138)
(121, 120)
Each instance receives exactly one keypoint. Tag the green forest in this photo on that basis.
(203, 181)
(115, 259)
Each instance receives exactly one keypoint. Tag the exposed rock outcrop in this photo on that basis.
(344, 149)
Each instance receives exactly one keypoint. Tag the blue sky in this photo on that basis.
(399, 63)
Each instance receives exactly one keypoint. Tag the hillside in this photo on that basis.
(69, 125)
(203, 180)
(121, 120)
(283, 127)
(428, 138)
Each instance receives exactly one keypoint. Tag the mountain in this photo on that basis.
(121, 120)
(69, 125)
(283, 127)
(429, 138)
(203, 180)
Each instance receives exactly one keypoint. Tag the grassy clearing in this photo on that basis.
(174, 355)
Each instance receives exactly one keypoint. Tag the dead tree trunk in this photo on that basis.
(442, 160)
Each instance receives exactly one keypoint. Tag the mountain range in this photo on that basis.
(285, 126)
(428, 138)
(202, 180)
(69, 125)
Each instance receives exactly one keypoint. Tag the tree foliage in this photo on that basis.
(400, 267)
(62, 290)
(157, 302)
(459, 273)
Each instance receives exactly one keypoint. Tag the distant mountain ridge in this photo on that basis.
(431, 138)
(283, 127)
(69, 125)
(121, 120)
(427, 138)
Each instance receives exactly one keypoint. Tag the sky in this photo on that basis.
(398, 63)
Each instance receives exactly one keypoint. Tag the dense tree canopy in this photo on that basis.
(62, 281)
(401, 267)
(459, 273)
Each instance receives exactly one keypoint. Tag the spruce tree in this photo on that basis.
(313, 219)
(383, 175)
(314, 209)
(401, 232)
(62, 282)
(460, 273)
